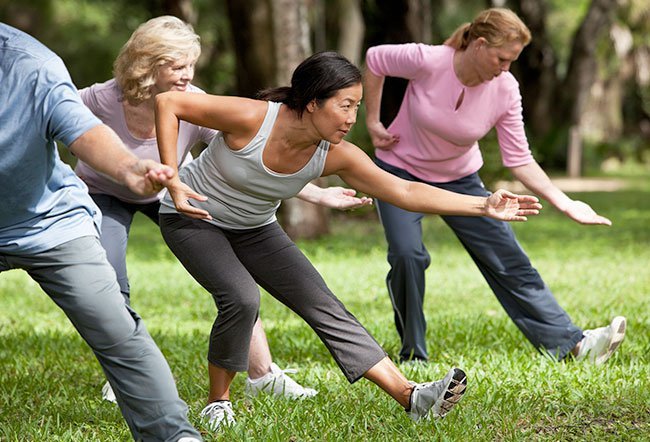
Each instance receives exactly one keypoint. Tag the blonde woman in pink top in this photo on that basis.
(458, 92)
(159, 57)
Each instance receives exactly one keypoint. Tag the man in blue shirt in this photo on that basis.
(49, 228)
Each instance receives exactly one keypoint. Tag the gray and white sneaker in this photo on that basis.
(435, 399)
(599, 344)
(108, 394)
(218, 414)
(278, 383)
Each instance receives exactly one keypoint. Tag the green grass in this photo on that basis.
(50, 382)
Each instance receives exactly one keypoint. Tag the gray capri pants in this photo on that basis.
(231, 263)
(81, 282)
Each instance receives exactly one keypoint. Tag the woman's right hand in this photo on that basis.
(181, 194)
(381, 138)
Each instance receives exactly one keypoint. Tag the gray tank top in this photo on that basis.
(242, 192)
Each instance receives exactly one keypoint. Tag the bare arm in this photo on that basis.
(534, 178)
(373, 87)
(356, 169)
(102, 149)
(237, 118)
(333, 197)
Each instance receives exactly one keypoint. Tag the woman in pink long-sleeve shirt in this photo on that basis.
(458, 92)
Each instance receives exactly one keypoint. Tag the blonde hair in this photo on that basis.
(154, 43)
(496, 25)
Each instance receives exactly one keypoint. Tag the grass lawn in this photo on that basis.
(50, 382)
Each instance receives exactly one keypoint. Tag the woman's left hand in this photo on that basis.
(343, 199)
(582, 213)
(508, 206)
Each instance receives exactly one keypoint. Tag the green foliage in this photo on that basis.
(50, 382)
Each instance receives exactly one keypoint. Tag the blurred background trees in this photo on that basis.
(585, 78)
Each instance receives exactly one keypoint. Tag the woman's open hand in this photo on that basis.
(508, 206)
(181, 193)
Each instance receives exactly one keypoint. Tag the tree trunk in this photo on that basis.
(182, 9)
(582, 71)
(537, 69)
(583, 65)
(396, 21)
(351, 30)
(299, 219)
(252, 31)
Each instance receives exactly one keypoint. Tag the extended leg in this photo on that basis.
(79, 279)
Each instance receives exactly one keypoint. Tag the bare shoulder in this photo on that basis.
(343, 155)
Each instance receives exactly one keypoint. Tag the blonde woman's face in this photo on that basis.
(174, 76)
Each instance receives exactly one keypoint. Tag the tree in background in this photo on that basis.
(588, 66)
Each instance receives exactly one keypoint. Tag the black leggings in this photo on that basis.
(231, 263)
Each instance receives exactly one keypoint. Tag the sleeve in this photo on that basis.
(65, 116)
(89, 97)
(511, 134)
(403, 60)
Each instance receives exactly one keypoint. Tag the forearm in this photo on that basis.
(102, 149)
(373, 87)
(536, 180)
(424, 198)
(310, 193)
(167, 127)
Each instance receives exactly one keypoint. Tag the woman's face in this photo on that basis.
(491, 61)
(174, 76)
(335, 117)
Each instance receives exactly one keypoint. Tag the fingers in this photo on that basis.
(597, 220)
(384, 144)
(187, 209)
(527, 199)
(531, 206)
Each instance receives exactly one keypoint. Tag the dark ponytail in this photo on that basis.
(279, 94)
(318, 77)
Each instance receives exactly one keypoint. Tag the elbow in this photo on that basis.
(164, 101)
(160, 101)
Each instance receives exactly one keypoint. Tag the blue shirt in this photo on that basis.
(43, 203)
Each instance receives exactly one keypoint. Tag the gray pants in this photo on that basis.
(231, 263)
(80, 281)
(117, 217)
(494, 249)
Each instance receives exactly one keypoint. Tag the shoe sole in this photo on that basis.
(617, 326)
(454, 392)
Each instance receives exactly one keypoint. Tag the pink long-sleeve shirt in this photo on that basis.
(439, 143)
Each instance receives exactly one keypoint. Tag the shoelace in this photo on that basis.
(218, 408)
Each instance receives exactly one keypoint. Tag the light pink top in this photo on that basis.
(104, 100)
(437, 142)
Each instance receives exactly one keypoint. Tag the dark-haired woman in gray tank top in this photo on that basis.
(219, 220)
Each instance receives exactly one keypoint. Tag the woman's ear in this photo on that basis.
(311, 106)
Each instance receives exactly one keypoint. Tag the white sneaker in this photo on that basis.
(278, 383)
(599, 344)
(188, 439)
(108, 394)
(217, 414)
(437, 398)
